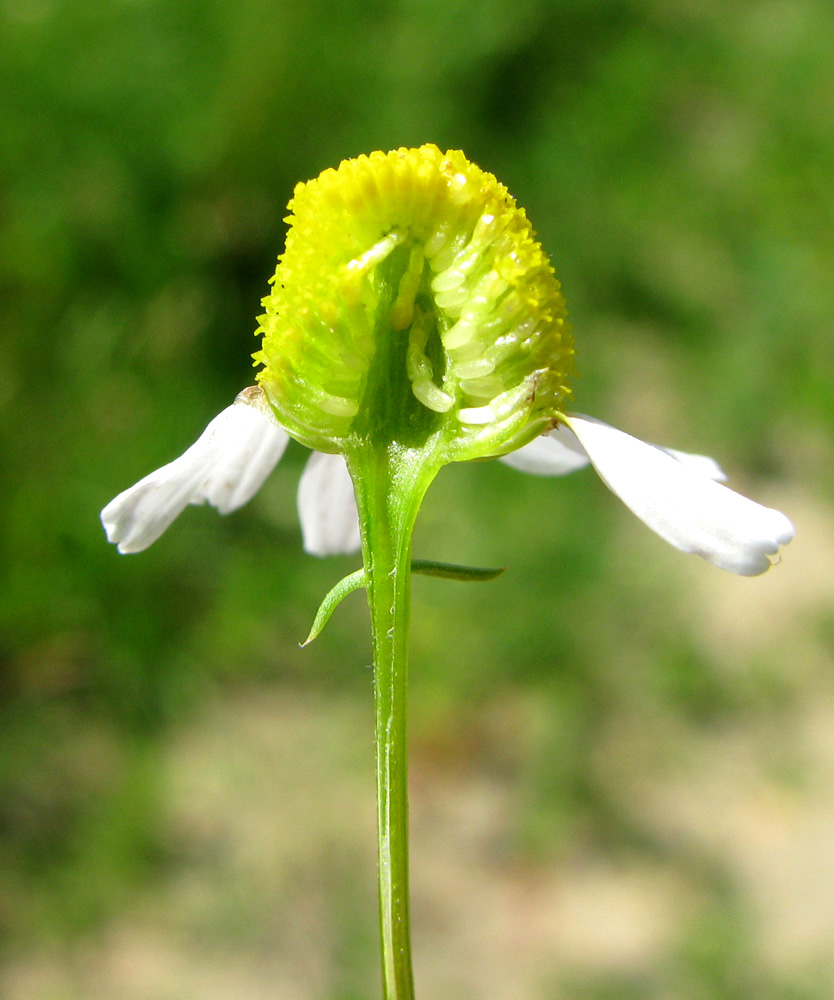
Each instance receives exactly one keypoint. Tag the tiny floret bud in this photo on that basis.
(413, 302)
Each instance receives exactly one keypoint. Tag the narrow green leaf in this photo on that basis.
(427, 567)
(332, 600)
(449, 571)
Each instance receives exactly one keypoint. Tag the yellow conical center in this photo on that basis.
(419, 258)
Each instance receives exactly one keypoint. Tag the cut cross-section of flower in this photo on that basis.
(676, 499)
(414, 317)
(413, 302)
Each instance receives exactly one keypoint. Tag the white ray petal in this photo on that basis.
(689, 511)
(225, 467)
(556, 453)
(327, 507)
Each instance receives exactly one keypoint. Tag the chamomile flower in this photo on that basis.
(414, 320)
(414, 309)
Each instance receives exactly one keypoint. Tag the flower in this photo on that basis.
(676, 494)
(414, 319)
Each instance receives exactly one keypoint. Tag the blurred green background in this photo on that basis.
(623, 759)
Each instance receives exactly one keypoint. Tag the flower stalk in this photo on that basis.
(390, 485)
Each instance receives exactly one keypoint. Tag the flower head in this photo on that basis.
(413, 301)
(414, 309)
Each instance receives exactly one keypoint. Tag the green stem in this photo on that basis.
(389, 488)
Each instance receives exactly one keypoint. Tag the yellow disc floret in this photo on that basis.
(413, 272)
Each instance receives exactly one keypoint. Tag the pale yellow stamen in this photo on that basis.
(402, 311)
(476, 415)
(420, 372)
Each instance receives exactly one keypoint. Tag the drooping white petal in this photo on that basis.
(556, 453)
(327, 507)
(689, 511)
(225, 467)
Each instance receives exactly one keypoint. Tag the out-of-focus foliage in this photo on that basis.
(677, 160)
